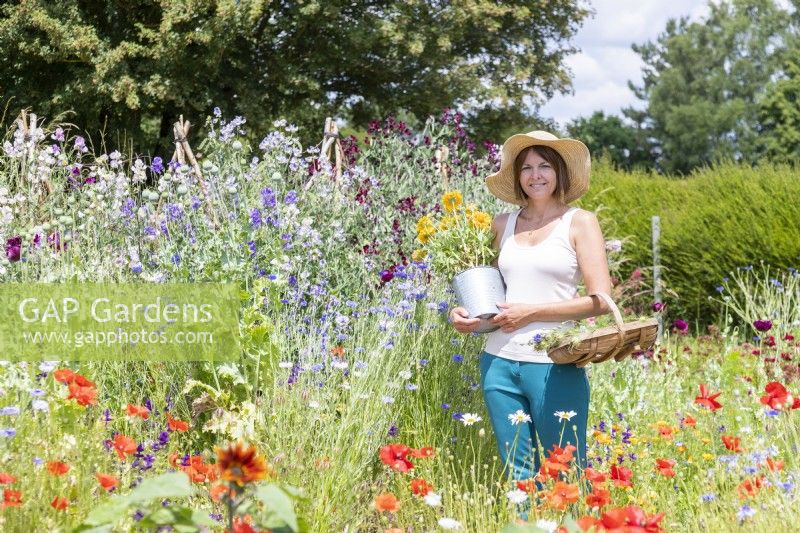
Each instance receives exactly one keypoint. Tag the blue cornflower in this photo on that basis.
(157, 165)
(445, 406)
(411, 386)
(268, 198)
(291, 198)
(394, 431)
(457, 416)
(136, 268)
(786, 485)
(458, 358)
(720, 288)
(37, 392)
(255, 218)
(317, 367)
(745, 512)
(773, 412)
(11, 410)
(423, 362)
(7, 432)
(176, 259)
(708, 497)
(150, 230)
(127, 207)
(252, 246)
(195, 203)
(174, 212)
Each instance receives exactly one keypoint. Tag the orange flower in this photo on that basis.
(219, 490)
(176, 425)
(423, 453)
(528, 485)
(394, 530)
(68, 377)
(59, 503)
(57, 468)
(551, 469)
(561, 455)
(732, 443)
(598, 498)
(621, 476)
(6, 478)
(83, 395)
(124, 446)
(630, 518)
(587, 522)
(707, 399)
(594, 476)
(138, 410)
(241, 465)
(395, 456)
(107, 481)
(338, 351)
(386, 502)
(664, 466)
(420, 487)
(198, 471)
(562, 495)
(689, 420)
(11, 498)
(243, 525)
(750, 487)
(774, 465)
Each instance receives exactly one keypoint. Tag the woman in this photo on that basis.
(545, 248)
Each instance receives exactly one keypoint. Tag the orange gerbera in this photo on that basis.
(387, 502)
(562, 494)
(57, 468)
(107, 481)
(177, 425)
(124, 446)
(138, 410)
(420, 487)
(241, 464)
(59, 503)
(83, 395)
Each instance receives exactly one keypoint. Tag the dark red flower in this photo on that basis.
(762, 325)
(14, 248)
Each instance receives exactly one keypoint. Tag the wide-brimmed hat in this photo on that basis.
(574, 153)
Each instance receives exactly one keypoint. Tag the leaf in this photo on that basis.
(279, 507)
(169, 485)
(108, 513)
(522, 528)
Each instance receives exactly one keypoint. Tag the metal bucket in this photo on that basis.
(478, 289)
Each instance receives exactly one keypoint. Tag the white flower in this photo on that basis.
(614, 245)
(48, 366)
(387, 399)
(517, 496)
(449, 523)
(286, 364)
(433, 499)
(341, 365)
(547, 525)
(313, 404)
(565, 415)
(40, 405)
(518, 417)
(405, 374)
(470, 418)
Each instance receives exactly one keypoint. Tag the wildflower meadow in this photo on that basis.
(354, 405)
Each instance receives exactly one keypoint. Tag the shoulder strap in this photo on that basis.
(511, 223)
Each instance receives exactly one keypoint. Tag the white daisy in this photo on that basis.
(433, 499)
(517, 496)
(286, 364)
(470, 418)
(518, 417)
(565, 415)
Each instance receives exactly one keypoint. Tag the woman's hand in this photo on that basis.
(513, 316)
(462, 322)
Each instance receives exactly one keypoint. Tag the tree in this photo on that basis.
(779, 112)
(703, 81)
(131, 66)
(610, 136)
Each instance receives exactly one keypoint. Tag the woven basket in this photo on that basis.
(617, 341)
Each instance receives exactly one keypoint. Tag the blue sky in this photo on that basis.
(600, 72)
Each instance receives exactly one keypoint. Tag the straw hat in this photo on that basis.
(575, 155)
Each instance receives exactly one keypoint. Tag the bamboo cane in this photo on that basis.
(441, 155)
(331, 150)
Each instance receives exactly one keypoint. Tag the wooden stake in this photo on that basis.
(331, 150)
(184, 155)
(656, 230)
(442, 154)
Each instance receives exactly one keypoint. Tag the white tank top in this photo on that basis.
(545, 273)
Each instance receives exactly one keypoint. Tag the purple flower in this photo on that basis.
(14, 248)
(157, 165)
(394, 431)
(80, 144)
(387, 276)
(268, 198)
(657, 306)
(762, 325)
(291, 198)
(174, 212)
(681, 326)
(458, 358)
(255, 218)
(58, 135)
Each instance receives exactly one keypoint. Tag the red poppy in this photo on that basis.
(750, 487)
(594, 476)
(587, 522)
(664, 467)
(107, 481)
(11, 498)
(562, 494)
(83, 395)
(177, 425)
(551, 469)
(621, 476)
(422, 453)
(631, 518)
(528, 485)
(387, 502)
(777, 396)
(57, 468)
(395, 456)
(689, 420)
(59, 503)
(732, 443)
(337, 351)
(6, 478)
(219, 490)
(775, 465)
(598, 498)
(562, 455)
(124, 446)
(420, 487)
(707, 399)
(138, 410)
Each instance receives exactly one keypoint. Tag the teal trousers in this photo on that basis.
(539, 390)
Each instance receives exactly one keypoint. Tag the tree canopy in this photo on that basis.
(132, 66)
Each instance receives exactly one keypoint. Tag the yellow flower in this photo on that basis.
(451, 201)
(481, 220)
(602, 438)
(447, 223)
(470, 209)
(425, 236)
(424, 224)
(708, 456)
(419, 254)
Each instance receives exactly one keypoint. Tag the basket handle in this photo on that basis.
(612, 306)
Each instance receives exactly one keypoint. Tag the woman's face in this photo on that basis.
(537, 177)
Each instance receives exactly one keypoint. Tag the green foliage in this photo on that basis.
(779, 111)
(703, 81)
(132, 67)
(713, 221)
(610, 137)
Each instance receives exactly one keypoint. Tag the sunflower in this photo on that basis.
(242, 465)
(480, 220)
(451, 201)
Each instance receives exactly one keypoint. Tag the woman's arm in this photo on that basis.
(587, 238)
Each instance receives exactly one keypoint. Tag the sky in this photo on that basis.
(600, 72)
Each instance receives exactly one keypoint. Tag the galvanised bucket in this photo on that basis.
(478, 289)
